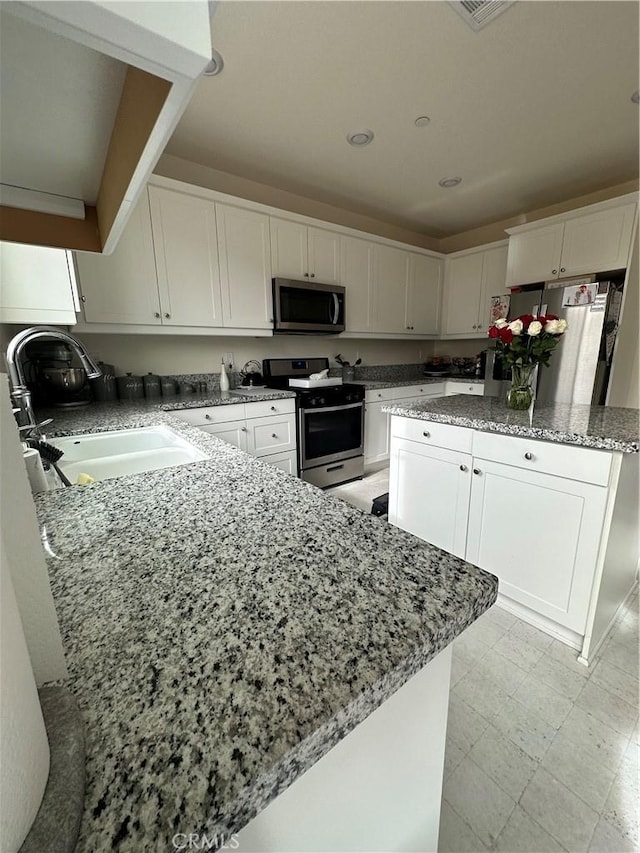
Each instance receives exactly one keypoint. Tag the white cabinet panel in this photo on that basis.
(202, 416)
(494, 282)
(245, 267)
(390, 288)
(357, 277)
(324, 255)
(186, 250)
(233, 432)
(423, 294)
(122, 287)
(36, 285)
(285, 461)
(271, 435)
(289, 254)
(535, 255)
(463, 286)
(597, 242)
(511, 512)
(376, 433)
(429, 491)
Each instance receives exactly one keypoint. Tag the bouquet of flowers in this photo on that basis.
(522, 344)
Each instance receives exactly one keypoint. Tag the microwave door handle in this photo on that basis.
(336, 309)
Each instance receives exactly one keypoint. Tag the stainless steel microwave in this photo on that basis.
(305, 307)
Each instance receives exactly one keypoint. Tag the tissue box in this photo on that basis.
(314, 383)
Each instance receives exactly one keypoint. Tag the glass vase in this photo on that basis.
(520, 394)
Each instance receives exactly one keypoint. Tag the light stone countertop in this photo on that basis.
(600, 427)
(225, 625)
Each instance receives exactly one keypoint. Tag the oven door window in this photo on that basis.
(328, 433)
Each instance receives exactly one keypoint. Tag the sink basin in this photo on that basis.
(104, 455)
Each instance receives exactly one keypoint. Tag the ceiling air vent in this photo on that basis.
(479, 13)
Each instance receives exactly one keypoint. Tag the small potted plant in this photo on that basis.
(522, 344)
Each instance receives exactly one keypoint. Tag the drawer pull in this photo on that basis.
(273, 435)
(477, 471)
(463, 468)
(208, 417)
(273, 409)
(379, 395)
(426, 434)
(528, 456)
(335, 468)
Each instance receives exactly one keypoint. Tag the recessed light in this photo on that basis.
(215, 65)
(360, 137)
(422, 121)
(449, 182)
(636, 97)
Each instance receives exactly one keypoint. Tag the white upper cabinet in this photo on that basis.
(186, 251)
(36, 285)
(423, 294)
(472, 277)
(245, 267)
(390, 289)
(594, 242)
(122, 288)
(299, 251)
(357, 277)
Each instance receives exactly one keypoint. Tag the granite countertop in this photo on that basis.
(376, 385)
(600, 427)
(225, 625)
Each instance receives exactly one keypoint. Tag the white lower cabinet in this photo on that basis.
(536, 514)
(376, 433)
(264, 429)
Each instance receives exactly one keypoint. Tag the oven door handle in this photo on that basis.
(336, 309)
(333, 408)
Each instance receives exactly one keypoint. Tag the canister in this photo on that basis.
(167, 386)
(151, 384)
(104, 387)
(130, 387)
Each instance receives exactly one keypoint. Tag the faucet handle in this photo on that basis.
(34, 427)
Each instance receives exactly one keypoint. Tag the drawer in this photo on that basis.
(210, 414)
(410, 392)
(574, 463)
(379, 395)
(268, 408)
(271, 435)
(431, 433)
(475, 388)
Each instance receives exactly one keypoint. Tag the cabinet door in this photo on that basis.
(429, 491)
(271, 435)
(357, 277)
(289, 257)
(324, 255)
(494, 282)
(285, 461)
(390, 289)
(376, 433)
(186, 251)
(423, 294)
(233, 432)
(245, 267)
(123, 287)
(36, 285)
(598, 242)
(540, 535)
(463, 287)
(535, 255)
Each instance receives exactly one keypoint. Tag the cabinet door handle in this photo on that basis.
(167, 316)
(274, 435)
(562, 269)
(528, 456)
(463, 468)
(83, 299)
(306, 275)
(555, 272)
(477, 471)
(156, 313)
(244, 429)
(313, 275)
(208, 417)
(426, 434)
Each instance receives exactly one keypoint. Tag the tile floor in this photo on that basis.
(542, 753)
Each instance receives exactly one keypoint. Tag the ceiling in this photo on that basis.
(532, 110)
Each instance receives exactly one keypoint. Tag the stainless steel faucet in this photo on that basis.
(20, 394)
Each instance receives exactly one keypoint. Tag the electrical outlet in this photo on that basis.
(228, 360)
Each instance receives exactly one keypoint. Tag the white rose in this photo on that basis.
(516, 327)
(534, 328)
(501, 323)
(562, 326)
(555, 327)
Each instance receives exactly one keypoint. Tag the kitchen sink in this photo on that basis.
(105, 455)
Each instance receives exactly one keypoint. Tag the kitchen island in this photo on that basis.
(547, 500)
(225, 626)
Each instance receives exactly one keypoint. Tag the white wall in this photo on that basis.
(159, 354)
(24, 553)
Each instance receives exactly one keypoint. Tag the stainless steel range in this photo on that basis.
(330, 421)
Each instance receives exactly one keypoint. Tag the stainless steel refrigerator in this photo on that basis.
(580, 365)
